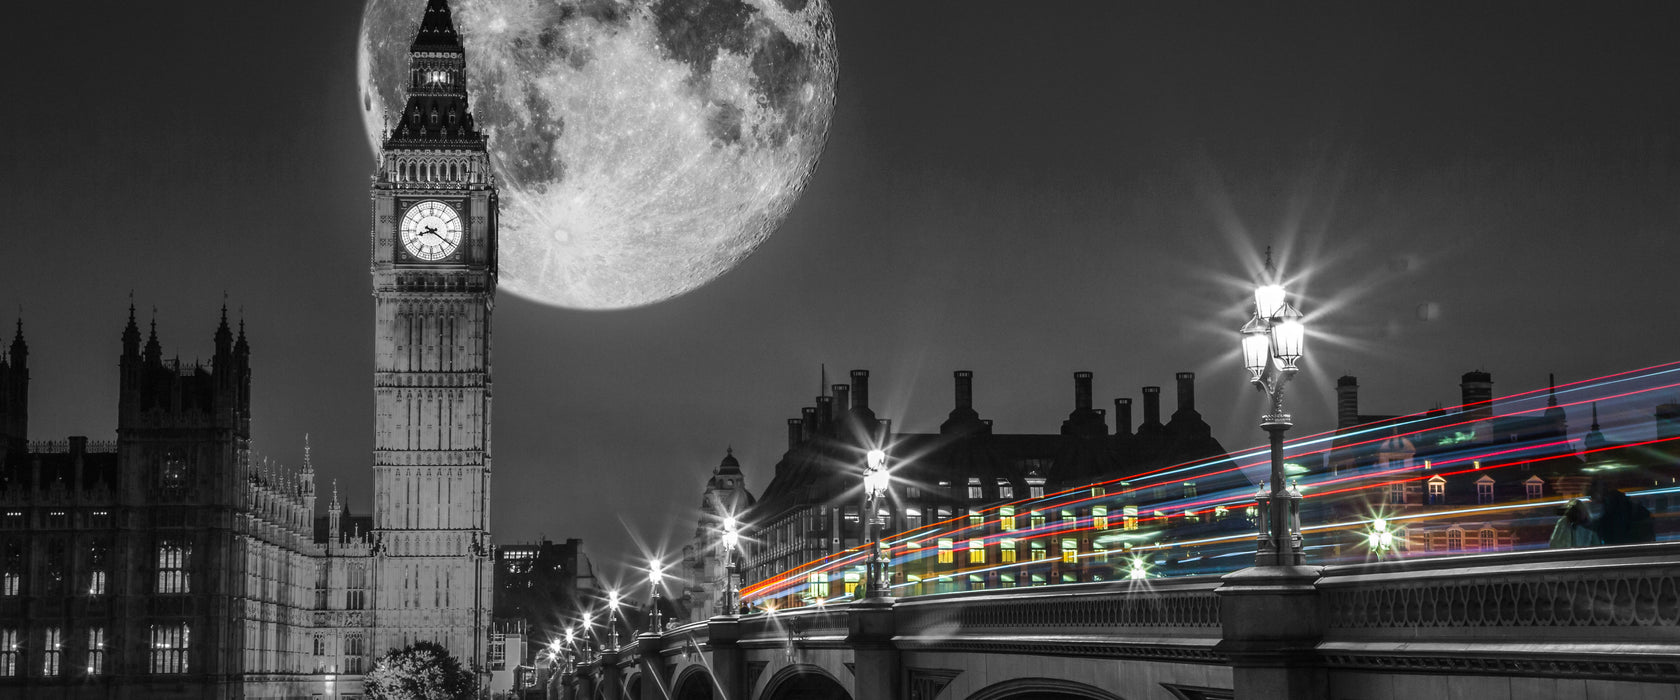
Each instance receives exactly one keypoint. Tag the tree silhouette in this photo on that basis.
(420, 671)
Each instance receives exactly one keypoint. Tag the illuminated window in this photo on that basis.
(1006, 518)
(1007, 580)
(321, 590)
(1455, 540)
(975, 519)
(851, 515)
(9, 584)
(1035, 519)
(53, 651)
(1099, 552)
(1006, 490)
(1220, 512)
(819, 584)
(8, 652)
(1006, 551)
(1191, 517)
(1099, 517)
(1069, 519)
(1397, 493)
(1130, 515)
(169, 648)
(1035, 487)
(1037, 580)
(1189, 489)
(853, 580)
(1036, 547)
(976, 583)
(1098, 491)
(974, 493)
(947, 554)
(1489, 539)
(95, 651)
(1534, 487)
(943, 514)
(1437, 490)
(913, 518)
(912, 492)
(1484, 490)
(96, 582)
(172, 568)
(976, 552)
(1070, 551)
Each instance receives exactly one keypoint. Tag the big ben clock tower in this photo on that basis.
(434, 287)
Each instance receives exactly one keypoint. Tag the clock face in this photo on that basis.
(431, 230)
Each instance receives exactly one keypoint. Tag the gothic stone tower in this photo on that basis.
(434, 286)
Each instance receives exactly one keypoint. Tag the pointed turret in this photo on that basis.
(437, 30)
(436, 110)
(334, 515)
(20, 350)
(1553, 410)
(1595, 438)
(154, 351)
(224, 336)
(131, 336)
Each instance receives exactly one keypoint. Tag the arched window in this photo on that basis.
(1455, 540)
(1489, 539)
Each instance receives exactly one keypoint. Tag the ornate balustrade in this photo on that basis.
(1605, 612)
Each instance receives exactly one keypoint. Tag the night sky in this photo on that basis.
(1022, 190)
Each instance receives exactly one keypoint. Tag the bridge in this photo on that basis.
(1601, 622)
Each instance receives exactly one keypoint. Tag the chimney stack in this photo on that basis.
(825, 414)
(1152, 405)
(860, 389)
(808, 422)
(842, 399)
(1081, 391)
(796, 432)
(1347, 401)
(1476, 391)
(1123, 416)
(965, 389)
(1187, 391)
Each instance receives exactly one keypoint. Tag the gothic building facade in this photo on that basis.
(169, 563)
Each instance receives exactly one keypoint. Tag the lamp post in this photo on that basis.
(656, 575)
(612, 617)
(1271, 343)
(731, 564)
(875, 483)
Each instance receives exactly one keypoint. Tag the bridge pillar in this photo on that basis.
(723, 635)
(583, 684)
(562, 686)
(652, 662)
(611, 679)
(876, 663)
(1272, 627)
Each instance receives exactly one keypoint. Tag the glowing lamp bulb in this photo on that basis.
(1268, 300)
(876, 459)
(654, 573)
(612, 599)
(1256, 347)
(729, 524)
(1288, 336)
(876, 482)
(570, 637)
(1138, 571)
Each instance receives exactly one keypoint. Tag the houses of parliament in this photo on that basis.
(171, 563)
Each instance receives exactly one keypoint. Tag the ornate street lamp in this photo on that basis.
(1271, 344)
(656, 575)
(731, 563)
(875, 482)
(1380, 539)
(612, 616)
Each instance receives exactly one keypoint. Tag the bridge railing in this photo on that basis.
(1611, 611)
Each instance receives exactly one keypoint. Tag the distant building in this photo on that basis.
(542, 586)
(811, 508)
(705, 571)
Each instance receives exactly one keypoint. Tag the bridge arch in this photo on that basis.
(1042, 689)
(694, 683)
(632, 686)
(804, 682)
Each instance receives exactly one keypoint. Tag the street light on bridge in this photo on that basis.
(1272, 345)
(656, 575)
(876, 480)
(731, 563)
(612, 616)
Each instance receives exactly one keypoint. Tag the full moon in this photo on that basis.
(642, 147)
